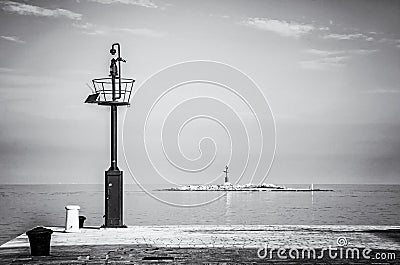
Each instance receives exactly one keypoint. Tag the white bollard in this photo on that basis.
(72, 219)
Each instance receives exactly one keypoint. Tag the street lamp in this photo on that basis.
(106, 94)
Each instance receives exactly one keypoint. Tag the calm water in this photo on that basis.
(25, 206)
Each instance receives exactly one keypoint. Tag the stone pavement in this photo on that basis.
(209, 245)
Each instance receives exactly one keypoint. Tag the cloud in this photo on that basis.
(397, 43)
(220, 16)
(13, 39)
(89, 28)
(5, 70)
(83, 25)
(142, 3)
(325, 63)
(338, 52)
(323, 52)
(353, 36)
(281, 27)
(362, 51)
(31, 10)
(142, 32)
(390, 41)
(92, 29)
(331, 59)
(383, 91)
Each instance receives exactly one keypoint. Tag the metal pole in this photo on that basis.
(119, 59)
(114, 72)
(119, 69)
(114, 138)
(113, 80)
(114, 181)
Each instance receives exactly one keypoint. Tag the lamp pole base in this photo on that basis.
(113, 199)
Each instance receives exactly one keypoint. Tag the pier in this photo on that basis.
(210, 244)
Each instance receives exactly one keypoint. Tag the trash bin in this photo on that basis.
(81, 220)
(39, 240)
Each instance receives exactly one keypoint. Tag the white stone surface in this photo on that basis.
(237, 236)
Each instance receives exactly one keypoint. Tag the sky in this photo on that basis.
(330, 71)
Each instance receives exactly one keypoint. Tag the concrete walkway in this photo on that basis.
(206, 244)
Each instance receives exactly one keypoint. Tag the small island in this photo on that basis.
(227, 186)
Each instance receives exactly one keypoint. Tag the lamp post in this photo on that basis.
(226, 174)
(106, 94)
(114, 75)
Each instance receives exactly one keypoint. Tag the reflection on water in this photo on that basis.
(228, 197)
(25, 206)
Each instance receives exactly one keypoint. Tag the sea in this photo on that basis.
(23, 207)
